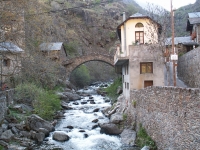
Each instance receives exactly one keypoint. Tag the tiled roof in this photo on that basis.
(8, 46)
(181, 40)
(194, 17)
(137, 15)
(51, 46)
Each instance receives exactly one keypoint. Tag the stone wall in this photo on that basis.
(170, 115)
(189, 68)
(6, 99)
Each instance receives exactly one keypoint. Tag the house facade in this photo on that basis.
(193, 26)
(54, 51)
(139, 63)
(10, 55)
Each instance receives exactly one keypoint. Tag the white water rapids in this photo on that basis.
(83, 136)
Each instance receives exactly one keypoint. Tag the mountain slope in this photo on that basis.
(181, 15)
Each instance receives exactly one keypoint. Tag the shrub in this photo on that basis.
(81, 76)
(1, 147)
(143, 139)
(46, 104)
(71, 48)
(112, 89)
(124, 116)
(27, 92)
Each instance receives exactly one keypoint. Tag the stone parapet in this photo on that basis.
(189, 68)
(170, 115)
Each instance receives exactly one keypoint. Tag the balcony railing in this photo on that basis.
(120, 57)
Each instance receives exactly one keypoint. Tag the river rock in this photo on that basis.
(145, 148)
(16, 147)
(40, 137)
(110, 128)
(116, 118)
(60, 136)
(7, 135)
(43, 130)
(119, 90)
(70, 127)
(129, 148)
(34, 122)
(3, 143)
(128, 137)
(14, 130)
(96, 110)
(72, 96)
(95, 126)
(25, 134)
(64, 105)
(95, 120)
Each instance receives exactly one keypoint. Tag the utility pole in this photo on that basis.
(173, 48)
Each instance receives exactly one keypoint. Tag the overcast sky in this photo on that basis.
(166, 3)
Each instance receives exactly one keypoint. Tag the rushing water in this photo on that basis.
(84, 134)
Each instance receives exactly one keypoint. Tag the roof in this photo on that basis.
(137, 15)
(193, 18)
(10, 47)
(51, 46)
(181, 40)
(194, 15)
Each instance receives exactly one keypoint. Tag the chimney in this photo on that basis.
(124, 16)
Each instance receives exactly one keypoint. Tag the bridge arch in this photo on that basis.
(73, 63)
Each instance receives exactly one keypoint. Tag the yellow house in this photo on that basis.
(139, 66)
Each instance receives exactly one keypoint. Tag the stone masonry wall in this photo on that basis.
(6, 99)
(189, 68)
(170, 115)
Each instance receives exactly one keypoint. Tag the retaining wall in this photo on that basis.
(189, 68)
(170, 115)
(6, 99)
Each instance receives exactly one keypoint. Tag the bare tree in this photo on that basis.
(23, 23)
(159, 32)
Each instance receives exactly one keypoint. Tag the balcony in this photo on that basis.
(120, 57)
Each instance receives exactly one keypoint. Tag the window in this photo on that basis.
(6, 62)
(148, 83)
(127, 85)
(127, 69)
(139, 37)
(146, 67)
(139, 25)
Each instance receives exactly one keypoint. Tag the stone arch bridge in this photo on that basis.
(73, 63)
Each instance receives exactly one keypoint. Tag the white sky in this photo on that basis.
(166, 3)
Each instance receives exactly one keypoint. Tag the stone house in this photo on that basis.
(193, 26)
(55, 51)
(182, 45)
(10, 55)
(139, 65)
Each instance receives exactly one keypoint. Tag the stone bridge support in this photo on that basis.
(73, 63)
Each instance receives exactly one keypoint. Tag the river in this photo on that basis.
(81, 124)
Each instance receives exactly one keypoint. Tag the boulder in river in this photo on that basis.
(128, 137)
(60, 136)
(110, 128)
(34, 122)
(116, 118)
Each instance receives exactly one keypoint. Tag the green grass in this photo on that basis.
(124, 116)
(143, 139)
(1, 147)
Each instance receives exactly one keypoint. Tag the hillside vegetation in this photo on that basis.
(181, 16)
